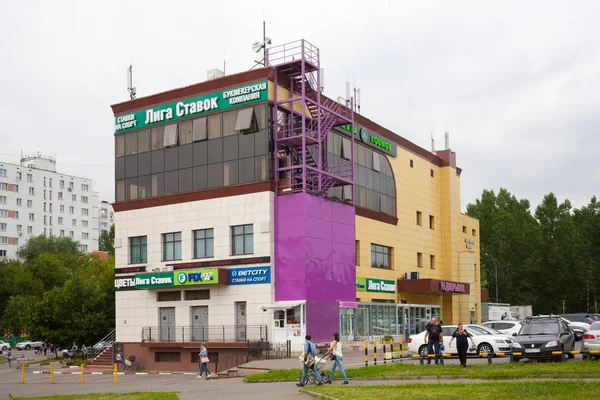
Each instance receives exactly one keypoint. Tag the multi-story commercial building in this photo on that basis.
(35, 200)
(253, 207)
(107, 216)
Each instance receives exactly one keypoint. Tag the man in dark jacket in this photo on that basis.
(433, 338)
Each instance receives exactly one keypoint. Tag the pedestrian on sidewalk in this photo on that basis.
(336, 350)
(308, 357)
(204, 362)
(434, 339)
(84, 351)
(462, 345)
(45, 350)
(8, 356)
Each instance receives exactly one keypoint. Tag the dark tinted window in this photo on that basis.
(215, 151)
(185, 156)
(131, 169)
(145, 186)
(158, 184)
(119, 168)
(131, 189)
(246, 148)
(260, 142)
(186, 180)
(156, 138)
(171, 182)
(144, 163)
(201, 178)
(247, 170)
(230, 148)
(171, 158)
(200, 153)
(144, 141)
(197, 294)
(130, 143)
(158, 161)
(215, 175)
(230, 173)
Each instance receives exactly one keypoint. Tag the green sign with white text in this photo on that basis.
(155, 280)
(381, 286)
(361, 284)
(194, 106)
(371, 139)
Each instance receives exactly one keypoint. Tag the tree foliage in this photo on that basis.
(107, 241)
(57, 294)
(542, 258)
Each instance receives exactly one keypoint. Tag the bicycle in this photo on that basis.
(129, 364)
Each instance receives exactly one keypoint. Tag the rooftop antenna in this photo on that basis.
(258, 46)
(447, 139)
(132, 91)
(432, 143)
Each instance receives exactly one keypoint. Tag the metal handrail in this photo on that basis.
(292, 51)
(214, 333)
(101, 344)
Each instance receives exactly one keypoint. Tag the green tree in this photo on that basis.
(38, 245)
(107, 241)
(510, 240)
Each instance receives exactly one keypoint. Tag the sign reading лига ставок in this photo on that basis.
(249, 275)
(217, 101)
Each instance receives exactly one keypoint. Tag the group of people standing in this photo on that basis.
(434, 339)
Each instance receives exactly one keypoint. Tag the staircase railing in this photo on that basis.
(103, 344)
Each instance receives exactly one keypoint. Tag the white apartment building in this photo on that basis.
(37, 200)
(107, 217)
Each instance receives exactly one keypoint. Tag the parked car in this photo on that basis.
(540, 336)
(29, 345)
(4, 346)
(510, 328)
(579, 317)
(578, 328)
(591, 339)
(485, 342)
(101, 346)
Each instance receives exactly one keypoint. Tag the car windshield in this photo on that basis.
(477, 330)
(550, 328)
(595, 326)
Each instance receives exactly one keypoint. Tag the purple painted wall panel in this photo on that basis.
(315, 258)
(322, 320)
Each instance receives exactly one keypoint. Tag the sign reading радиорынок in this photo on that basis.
(199, 105)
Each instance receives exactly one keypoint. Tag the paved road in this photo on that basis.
(187, 387)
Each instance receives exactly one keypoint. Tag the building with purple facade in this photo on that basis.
(252, 209)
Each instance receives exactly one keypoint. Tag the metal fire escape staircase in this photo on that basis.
(303, 118)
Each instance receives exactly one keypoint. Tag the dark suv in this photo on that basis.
(540, 336)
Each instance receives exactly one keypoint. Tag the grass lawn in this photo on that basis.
(2, 358)
(109, 396)
(492, 390)
(479, 371)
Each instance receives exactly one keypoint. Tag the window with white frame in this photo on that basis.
(2, 199)
(31, 216)
(60, 220)
(74, 197)
(3, 240)
(84, 224)
(19, 202)
(74, 222)
(71, 234)
(84, 187)
(71, 210)
(32, 191)
(2, 253)
(85, 236)
(16, 215)
(60, 195)
(83, 247)
(3, 226)
(30, 230)
(29, 203)
(29, 178)
(84, 211)
(84, 199)
(62, 233)
(3, 173)
(19, 228)
(3, 186)
(4, 213)
(242, 239)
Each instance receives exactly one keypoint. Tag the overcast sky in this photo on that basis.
(516, 83)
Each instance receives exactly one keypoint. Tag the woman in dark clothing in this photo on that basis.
(462, 344)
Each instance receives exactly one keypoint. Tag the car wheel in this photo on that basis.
(485, 348)
(27, 347)
(423, 351)
(4, 348)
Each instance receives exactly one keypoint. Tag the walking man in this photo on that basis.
(433, 338)
(308, 356)
(8, 355)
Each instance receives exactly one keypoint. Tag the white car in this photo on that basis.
(591, 339)
(485, 342)
(510, 328)
(29, 345)
(4, 346)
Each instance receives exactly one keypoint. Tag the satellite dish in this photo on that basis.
(256, 46)
(268, 40)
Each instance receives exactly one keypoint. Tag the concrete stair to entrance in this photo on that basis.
(106, 358)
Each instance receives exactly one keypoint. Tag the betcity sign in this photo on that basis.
(249, 275)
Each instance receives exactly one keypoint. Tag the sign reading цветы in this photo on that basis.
(170, 112)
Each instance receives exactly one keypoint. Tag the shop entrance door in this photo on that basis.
(199, 316)
(347, 328)
(240, 321)
(362, 322)
(167, 324)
